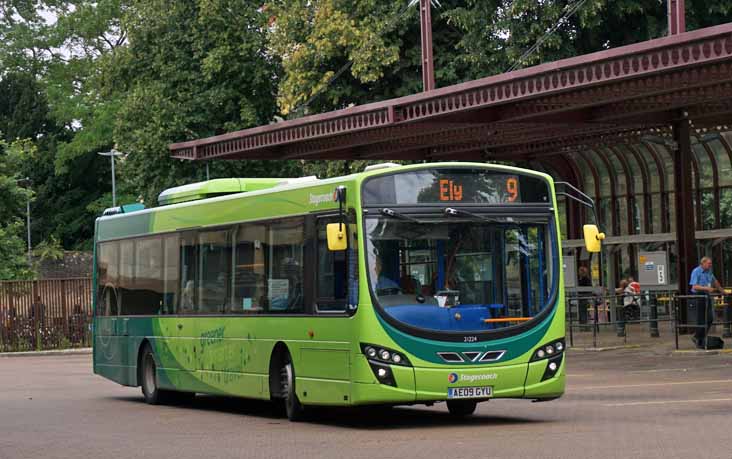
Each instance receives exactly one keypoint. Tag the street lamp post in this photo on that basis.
(112, 153)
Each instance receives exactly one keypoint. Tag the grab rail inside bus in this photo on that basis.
(506, 319)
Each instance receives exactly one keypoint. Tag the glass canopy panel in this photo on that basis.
(721, 156)
(651, 166)
(588, 180)
(706, 168)
(620, 176)
(668, 162)
(602, 172)
(635, 168)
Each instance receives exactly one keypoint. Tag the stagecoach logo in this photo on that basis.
(452, 378)
(317, 199)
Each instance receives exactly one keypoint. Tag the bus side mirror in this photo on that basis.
(593, 238)
(336, 233)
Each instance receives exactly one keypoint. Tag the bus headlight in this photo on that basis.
(383, 354)
(549, 350)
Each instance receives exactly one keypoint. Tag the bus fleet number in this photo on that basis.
(470, 339)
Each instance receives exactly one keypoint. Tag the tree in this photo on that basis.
(12, 206)
(51, 51)
(191, 70)
(472, 39)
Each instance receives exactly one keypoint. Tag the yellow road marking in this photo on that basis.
(665, 402)
(677, 383)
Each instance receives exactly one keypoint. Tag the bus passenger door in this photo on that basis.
(325, 362)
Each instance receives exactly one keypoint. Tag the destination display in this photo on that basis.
(454, 186)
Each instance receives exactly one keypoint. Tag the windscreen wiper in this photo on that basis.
(393, 214)
(452, 212)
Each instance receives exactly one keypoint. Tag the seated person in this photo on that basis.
(187, 299)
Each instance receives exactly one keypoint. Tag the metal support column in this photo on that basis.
(428, 68)
(676, 17)
(684, 195)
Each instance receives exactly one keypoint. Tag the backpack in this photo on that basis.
(715, 342)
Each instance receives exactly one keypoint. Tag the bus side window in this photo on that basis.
(188, 271)
(214, 252)
(249, 281)
(126, 276)
(284, 266)
(171, 280)
(107, 278)
(331, 276)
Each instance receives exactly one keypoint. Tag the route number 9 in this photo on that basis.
(512, 189)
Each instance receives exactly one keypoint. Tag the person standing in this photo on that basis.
(703, 283)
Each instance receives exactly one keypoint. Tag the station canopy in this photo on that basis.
(606, 98)
(644, 129)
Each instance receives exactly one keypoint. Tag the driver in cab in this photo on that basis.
(383, 282)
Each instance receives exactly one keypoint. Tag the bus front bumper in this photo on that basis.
(423, 385)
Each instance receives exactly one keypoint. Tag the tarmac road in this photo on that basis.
(619, 404)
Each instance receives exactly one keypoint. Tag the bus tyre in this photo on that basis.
(149, 380)
(461, 407)
(293, 408)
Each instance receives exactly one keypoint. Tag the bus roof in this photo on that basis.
(252, 199)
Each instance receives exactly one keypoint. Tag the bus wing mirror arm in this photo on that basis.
(336, 232)
(340, 196)
(593, 236)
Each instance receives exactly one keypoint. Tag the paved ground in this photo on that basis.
(619, 404)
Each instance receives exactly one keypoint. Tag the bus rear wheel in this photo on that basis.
(461, 407)
(294, 409)
(149, 380)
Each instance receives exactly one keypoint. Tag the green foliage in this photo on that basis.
(13, 200)
(314, 38)
(83, 76)
(48, 250)
(472, 39)
(191, 69)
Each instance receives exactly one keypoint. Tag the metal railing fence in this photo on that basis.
(45, 314)
(650, 315)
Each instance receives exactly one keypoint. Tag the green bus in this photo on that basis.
(398, 285)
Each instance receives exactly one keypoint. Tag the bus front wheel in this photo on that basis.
(293, 407)
(461, 407)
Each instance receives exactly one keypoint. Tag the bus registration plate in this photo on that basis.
(469, 392)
